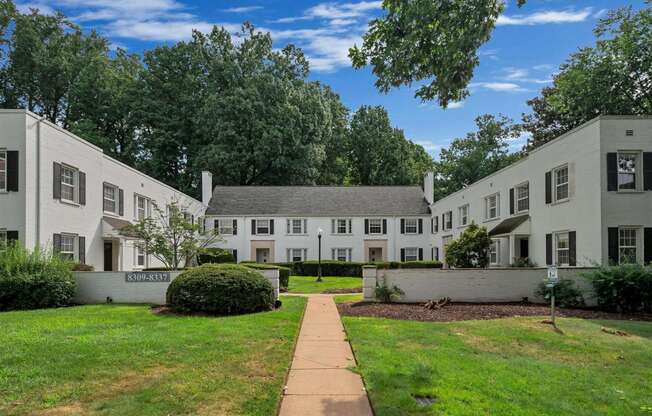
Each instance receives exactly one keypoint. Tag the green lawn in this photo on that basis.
(355, 297)
(124, 360)
(515, 366)
(308, 284)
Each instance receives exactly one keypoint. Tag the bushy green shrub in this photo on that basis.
(283, 272)
(221, 289)
(79, 267)
(33, 280)
(623, 288)
(470, 249)
(215, 255)
(386, 264)
(567, 294)
(421, 264)
(388, 294)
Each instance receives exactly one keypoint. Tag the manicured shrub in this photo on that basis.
(33, 280)
(215, 255)
(623, 288)
(221, 289)
(328, 268)
(567, 294)
(421, 264)
(386, 264)
(283, 272)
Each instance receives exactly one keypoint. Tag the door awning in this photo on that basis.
(111, 227)
(513, 225)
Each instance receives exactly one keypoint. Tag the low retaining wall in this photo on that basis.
(469, 285)
(136, 287)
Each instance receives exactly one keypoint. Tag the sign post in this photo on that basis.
(551, 281)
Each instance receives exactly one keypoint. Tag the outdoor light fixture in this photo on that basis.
(319, 234)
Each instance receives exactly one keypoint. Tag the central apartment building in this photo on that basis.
(582, 199)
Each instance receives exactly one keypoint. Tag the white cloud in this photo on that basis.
(545, 17)
(498, 86)
(26, 7)
(243, 9)
(522, 75)
(163, 30)
(334, 11)
(456, 104)
(428, 145)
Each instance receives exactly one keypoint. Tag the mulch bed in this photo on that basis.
(471, 311)
(339, 291)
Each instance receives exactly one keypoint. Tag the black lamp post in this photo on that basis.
(319, 234)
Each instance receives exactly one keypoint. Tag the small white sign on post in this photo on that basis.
(553, 276)
(551, 282)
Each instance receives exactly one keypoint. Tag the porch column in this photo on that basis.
(512, 248)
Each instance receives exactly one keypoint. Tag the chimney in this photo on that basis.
(206, 187)
(429, 187)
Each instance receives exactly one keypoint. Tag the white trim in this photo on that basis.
(380, 226)
(556, 186)
(637, 170)
(556, 238)
(494, 249)
(466, 209)
(74, 185)
(488, 208)
(416, 226)
(517, 198)
(637, 243)
(116, 198)
(258, 220)
(415, 256)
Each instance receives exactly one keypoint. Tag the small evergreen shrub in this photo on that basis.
(283, 272)
(215, 255)
(328, 268)
(34, 280)
(221, 289)
(623, 288)
(388, 294)
(421, 264)
(567, 294)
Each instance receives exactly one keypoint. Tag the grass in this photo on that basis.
(309, 284)
(515, 366)
(124, 360)
(355, 297)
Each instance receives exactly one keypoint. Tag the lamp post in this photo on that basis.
(319, 234)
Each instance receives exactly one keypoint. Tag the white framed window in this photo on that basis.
(464, 214)
(297, 254)
(627, 245)
(297, 226)
(411, 226)
(69, 183)
(140, 255)
(522, 196)
(143, 207)
(628, 171)
(3, 171)
(448, 220)
(494, 252)
(224, 226)
(562, 249)
(262, 227)
(68, 242)
(342, 226)
(560, 177)
(411, 254)
(341, 254)
(110, 195)
(492, 206)
(375, 226)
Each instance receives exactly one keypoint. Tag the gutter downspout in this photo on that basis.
(38, 180)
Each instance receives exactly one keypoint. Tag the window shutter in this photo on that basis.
(647, 245)
(549, 249)
(647, 171)
(572, 251)
(235, 227)
(402, 254)
(612, 171)
(332, 226)
(121, 202)
(420, 254)
(333, 254)
(402, 225)
(420, 225)
(271, 227)
(612, 244)
(437, 224)
(56, 180)
(235, 255)
(56, 243)
(443, 221)
(253, 227)
(81, 243)
(511, 201)
(287, 224)
(350, 227)
(366, 226)
(450, 220)
(384, 226)
(305, 226)
(12, 236)
(287, 253)
(82, 188)
(436, 253)
(349, 253)
(12, 171)
(548, 187)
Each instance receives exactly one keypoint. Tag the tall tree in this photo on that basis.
(426, 40)
(613, 77)
(477, 155)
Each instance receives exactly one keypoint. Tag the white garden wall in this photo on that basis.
(469, 285)
(95, 287)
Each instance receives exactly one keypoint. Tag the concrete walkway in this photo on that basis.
(320, 382)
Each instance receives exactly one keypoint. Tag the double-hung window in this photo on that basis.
(562, 249)
(464, 215)
(494, 252)
(140, 255)
(628, 163)
(411, 254)
(375, 226)
(411, 226)
(297, 254)
(342, 226)
(341, 254)
(522, 195)
(224, 226)
(560, 176)
(627, 244)
(110, 198)
(262, 227)
(297, 226)
(68, 183)
(3, 171)
(491, 207)
(67, 246)
(143, 207)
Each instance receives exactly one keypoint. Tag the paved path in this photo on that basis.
(320, 382)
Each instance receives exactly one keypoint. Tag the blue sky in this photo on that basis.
(525, 49)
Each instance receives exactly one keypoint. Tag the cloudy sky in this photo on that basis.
(525, 50)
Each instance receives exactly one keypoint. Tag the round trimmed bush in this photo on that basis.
(215, 255)
(221, 289)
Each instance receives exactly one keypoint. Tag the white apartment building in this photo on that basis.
(581, 199)
(357, 223)
(60, 191)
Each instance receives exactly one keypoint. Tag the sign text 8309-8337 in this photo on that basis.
(138, 277)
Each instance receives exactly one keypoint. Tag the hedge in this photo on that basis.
(283, 272)
(623, 288)
(341, 268)
(215, 255)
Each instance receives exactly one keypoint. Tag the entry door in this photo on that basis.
(108, 256)
(262, 255)
(524, 248)
(375, 254)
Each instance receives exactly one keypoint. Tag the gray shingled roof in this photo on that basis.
(318, 201)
